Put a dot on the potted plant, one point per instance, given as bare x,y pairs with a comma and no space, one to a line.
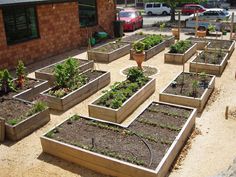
138,53
201,33
175,32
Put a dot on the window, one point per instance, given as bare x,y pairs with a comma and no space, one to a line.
149,5
20,24
157,5
87,13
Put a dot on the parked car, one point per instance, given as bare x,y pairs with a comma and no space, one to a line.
213,14
157,9
132,19
216,4
189,9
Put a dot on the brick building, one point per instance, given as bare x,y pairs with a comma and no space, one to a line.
32,30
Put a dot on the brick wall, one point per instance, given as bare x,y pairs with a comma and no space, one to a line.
59,30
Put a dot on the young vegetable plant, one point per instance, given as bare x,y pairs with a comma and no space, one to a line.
6,82
21,74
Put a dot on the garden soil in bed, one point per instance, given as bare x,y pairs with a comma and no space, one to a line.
187,87
210,57
51,68
133,38
110,47
220,44
158,126
13,109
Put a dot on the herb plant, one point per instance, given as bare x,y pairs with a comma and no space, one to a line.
6,82
180,47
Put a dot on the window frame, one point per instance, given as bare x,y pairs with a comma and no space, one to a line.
36,22
97,18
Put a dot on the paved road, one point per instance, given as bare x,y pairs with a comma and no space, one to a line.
149,20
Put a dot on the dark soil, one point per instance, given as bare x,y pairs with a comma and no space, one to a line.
28,84
50,69
110,47
133,38
187,89
147,70
210,57
157,126
220,44
13,109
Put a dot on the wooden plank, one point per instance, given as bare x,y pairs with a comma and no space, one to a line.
2,130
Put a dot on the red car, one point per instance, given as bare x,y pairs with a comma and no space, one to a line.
189,9
132,19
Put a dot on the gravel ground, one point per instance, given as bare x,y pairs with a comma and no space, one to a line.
211,152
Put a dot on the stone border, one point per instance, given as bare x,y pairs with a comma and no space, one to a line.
39,74
176,58
77,95
230,50
198,103
215,69
152,51
128,107
158,70
105,57
27,126
112,166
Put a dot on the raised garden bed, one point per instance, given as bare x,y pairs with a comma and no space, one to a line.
95,81
109,52
106,109
174,56
154,44
147,147
209,62
133,38
201,42
46,73
195,91
223,45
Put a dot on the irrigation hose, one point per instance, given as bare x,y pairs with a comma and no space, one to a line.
149,148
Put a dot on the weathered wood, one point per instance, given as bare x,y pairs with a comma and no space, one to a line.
39,74
118,115
214,69
32,92
175,58
152,51
114,167
170,41
105,57
27,126
198,103
2,130
77,95
230,50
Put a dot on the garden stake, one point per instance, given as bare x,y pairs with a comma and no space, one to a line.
93,143
226,112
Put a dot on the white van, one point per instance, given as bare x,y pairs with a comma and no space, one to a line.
156,8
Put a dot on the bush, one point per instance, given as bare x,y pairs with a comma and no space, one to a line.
180,47
134,73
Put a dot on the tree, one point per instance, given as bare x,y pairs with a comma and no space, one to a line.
173,4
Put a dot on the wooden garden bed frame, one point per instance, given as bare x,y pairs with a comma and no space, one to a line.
114,167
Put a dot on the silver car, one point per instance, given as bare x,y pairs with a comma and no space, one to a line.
214,14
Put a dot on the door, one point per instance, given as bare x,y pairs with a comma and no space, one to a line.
157,8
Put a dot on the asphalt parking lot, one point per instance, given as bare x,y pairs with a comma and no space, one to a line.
150,20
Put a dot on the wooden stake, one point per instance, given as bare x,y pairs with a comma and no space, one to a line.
232,26
226,112
179,25
2,130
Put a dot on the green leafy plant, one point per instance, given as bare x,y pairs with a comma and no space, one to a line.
37,107
152,40
138,47
203,76
195,85
134,73
162,26
180,47
6,82
21,73
67,78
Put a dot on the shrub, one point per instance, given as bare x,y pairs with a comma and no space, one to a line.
6,82
180,47
134,73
